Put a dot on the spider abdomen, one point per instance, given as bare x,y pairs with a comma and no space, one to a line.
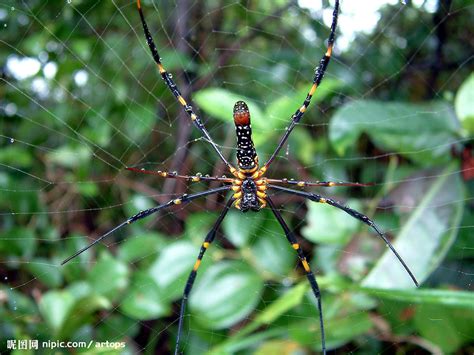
246,154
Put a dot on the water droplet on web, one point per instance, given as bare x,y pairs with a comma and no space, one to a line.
404,2
12,140
69,1
13,8
5,25
5,278
15,308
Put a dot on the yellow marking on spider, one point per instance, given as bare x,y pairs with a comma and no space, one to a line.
313,89
237,204
164,174
250,171
161,68
238,195
329,51
303,109
261,194
237,182
139,5
331,184
235,188
182,101
205,245
177,201
196,265
196,179
305,265
261,188
193,117
300,183
322,200
295,246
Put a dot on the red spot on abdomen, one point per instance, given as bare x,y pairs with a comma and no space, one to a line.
241,114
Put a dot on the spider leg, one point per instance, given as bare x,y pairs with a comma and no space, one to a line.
361,217
173,175
145,213
316,183
309,274
318,77
192,276
168,79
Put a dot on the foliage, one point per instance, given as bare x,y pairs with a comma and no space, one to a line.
391,110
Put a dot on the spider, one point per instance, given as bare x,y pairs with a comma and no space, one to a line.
249,183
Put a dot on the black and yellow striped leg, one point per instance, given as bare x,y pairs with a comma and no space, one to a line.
192,276
142,214
361,217
318,77
309,274
168,79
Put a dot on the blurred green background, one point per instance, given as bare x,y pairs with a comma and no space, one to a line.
81,100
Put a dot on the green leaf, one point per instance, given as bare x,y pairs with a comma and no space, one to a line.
227,280
55,307
220,104
172,267
70,157
440,298
109,276
464,104
279,112
449,328
18,241
239,227
140,247
328,225
46,272
16,156
270,250
428,233
140,121
144,299
420,132
339,330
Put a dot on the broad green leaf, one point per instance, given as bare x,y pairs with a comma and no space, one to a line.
464,104
172,267
109,276
239,228
428,233
82,313
144,299
220,104
55,307
227,280
447,327
46,272
144,246
280,111
439,298
328,225
18,241
271,251
15,156
140,121
70,157
339,330
420,132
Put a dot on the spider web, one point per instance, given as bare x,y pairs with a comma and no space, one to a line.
82,100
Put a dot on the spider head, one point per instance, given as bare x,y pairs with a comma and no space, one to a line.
246,154
249,196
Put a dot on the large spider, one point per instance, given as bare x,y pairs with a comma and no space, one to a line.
249,183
